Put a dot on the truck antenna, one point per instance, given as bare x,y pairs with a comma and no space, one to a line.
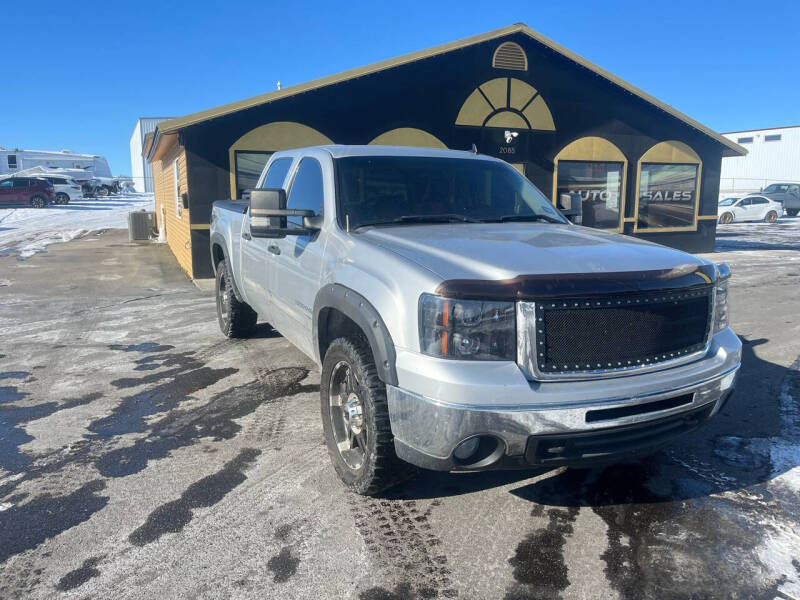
347,222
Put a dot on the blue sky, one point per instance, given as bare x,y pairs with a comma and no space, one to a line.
77,75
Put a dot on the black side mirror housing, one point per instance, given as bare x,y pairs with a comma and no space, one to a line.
268,214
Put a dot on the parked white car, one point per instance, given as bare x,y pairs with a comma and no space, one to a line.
66,188
749,208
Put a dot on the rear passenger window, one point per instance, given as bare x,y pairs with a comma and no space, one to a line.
277,173
307,189
20,183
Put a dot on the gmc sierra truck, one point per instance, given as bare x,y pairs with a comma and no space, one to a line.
461,322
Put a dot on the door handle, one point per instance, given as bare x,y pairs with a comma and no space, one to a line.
247,236
274,249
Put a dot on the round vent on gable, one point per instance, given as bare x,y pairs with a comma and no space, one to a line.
510,55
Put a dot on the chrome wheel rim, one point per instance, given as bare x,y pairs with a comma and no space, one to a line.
347,415
223,300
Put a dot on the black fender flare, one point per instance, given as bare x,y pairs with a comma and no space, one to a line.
358,309
218,239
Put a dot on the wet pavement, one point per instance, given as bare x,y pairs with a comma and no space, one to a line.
143,455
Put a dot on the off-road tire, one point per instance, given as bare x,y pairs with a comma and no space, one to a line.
771,217
792,212
236,318
38,201
62,198
726,218
381,468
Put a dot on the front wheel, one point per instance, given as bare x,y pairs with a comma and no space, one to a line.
792,212
771,217
236,318
725,218
355,419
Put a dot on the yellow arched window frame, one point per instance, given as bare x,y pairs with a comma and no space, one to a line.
594,149
408,136
273,137
671,152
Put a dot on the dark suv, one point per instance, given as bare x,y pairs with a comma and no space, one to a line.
37,193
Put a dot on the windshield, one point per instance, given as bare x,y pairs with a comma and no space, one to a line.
379,190
776,188
727,201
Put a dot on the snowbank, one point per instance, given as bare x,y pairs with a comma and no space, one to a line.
26,231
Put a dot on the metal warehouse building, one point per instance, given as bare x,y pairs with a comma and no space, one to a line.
589,140
773,156
141,169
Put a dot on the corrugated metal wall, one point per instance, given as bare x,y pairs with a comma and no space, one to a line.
766,162
141,170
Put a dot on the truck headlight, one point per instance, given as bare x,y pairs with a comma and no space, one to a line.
467,329
721,297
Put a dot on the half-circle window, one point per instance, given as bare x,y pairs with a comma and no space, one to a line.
510,56
506,102
408,136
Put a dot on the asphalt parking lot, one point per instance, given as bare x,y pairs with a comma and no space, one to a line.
143,455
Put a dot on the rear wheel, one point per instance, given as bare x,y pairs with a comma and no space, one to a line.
792,212
771,217
38,201
62,198
726,218
355,419
101,191
236,318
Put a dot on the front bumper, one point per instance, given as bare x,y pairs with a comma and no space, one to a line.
552,423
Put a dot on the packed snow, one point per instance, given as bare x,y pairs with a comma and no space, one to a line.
26,231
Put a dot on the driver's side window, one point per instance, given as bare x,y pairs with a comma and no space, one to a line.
745,202
6,184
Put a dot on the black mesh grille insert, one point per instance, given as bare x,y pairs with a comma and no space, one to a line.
620,332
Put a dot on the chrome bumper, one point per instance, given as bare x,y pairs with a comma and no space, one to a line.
428,430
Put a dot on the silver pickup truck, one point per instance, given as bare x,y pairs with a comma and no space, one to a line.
461,322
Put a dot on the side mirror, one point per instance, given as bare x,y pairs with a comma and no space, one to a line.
268,214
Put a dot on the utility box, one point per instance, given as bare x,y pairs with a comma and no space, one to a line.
140,225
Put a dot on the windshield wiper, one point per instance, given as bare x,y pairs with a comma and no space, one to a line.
441,218
546,218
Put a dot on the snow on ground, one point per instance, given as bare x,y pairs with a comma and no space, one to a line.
26,231
782,235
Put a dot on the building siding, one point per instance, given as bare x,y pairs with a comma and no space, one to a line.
765,163
178,228
141,169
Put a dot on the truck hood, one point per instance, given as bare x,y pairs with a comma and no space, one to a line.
505,250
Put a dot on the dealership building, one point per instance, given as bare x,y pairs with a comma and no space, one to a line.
590,141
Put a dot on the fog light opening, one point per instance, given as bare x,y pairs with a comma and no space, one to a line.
478,452
466,448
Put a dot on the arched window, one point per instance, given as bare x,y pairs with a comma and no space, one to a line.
511,56
506,102
589,180
668,188
250,153
408,136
